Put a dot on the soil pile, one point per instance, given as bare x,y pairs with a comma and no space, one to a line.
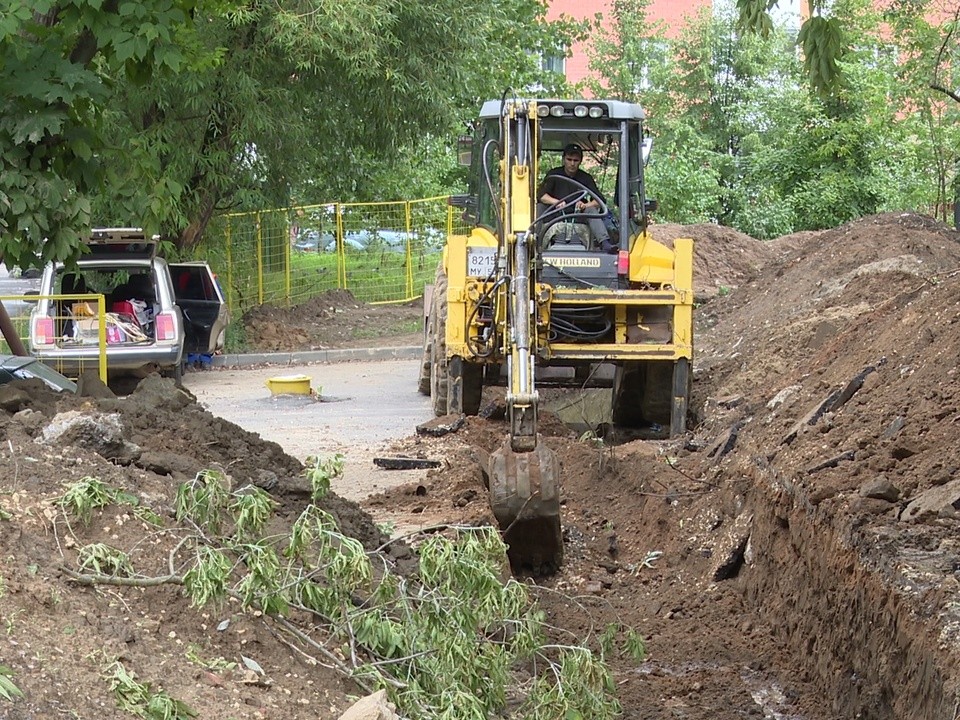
59,636
333,319
795,555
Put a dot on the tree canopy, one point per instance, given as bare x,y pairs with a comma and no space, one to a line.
162,113
742,137
821,38
59,67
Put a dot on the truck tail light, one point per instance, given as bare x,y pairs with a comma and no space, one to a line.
166,327
623,263
43,331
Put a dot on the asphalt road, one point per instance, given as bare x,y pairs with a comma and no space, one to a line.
361,407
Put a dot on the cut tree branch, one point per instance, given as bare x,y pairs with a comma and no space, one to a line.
94,579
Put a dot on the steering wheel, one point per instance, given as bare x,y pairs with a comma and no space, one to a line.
554,213
573,198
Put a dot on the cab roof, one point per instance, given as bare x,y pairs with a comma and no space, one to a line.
614,109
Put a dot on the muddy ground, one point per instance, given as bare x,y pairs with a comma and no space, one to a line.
795,556
333,319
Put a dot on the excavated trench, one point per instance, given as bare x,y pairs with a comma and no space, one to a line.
871,646
849,621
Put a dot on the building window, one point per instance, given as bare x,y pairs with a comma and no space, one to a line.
554,63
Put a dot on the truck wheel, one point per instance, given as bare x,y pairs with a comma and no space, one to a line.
175,372
439,375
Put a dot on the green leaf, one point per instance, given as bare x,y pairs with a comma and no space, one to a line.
123,44
8,690
82,150
823,46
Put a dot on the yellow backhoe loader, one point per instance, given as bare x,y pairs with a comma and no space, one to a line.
524,301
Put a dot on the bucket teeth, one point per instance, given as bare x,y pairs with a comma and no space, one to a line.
525,499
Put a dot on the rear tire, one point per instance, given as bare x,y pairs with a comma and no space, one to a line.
439,371
465,388
628,395
644,395
681,397
426,359
455,385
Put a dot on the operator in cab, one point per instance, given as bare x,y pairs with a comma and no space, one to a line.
560,183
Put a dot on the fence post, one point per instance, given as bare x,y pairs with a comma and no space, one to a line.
406,211
229,258
259,261
102,337
341,250
286,257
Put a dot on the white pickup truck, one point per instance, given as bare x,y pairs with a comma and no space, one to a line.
156,312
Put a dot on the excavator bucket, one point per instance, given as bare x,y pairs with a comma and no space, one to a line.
525,498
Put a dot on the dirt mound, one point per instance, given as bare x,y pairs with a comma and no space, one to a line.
723,258
59,635
807,529
333,319
799,306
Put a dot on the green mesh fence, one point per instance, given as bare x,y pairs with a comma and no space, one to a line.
380,252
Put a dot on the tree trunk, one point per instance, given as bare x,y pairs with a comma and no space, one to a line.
10,333
191,235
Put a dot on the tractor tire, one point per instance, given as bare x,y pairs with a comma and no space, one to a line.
439,371
681,397
643,396
426,358
628,395
465,386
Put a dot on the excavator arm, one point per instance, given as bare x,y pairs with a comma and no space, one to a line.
518,244
524,474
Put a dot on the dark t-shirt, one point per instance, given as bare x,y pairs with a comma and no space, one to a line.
557,183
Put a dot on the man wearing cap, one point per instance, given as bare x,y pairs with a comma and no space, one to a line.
562,182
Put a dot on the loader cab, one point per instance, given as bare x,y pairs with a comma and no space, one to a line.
611,135
615,148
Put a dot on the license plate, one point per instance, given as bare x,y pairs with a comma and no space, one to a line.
481,261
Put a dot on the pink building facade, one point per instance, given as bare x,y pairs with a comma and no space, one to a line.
674,14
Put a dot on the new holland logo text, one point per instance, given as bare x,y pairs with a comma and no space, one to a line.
562,262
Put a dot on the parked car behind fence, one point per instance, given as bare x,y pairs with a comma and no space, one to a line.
374,240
